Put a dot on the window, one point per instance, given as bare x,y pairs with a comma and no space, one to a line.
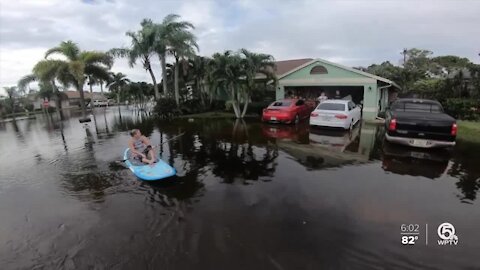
282,103
318,70
331,106
417,107
300,103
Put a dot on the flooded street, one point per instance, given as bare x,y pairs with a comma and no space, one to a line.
247,195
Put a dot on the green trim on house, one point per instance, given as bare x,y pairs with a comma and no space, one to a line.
375,88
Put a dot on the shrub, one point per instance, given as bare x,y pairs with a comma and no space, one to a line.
192,106
29,107
166,108
257,107
217,105
463,108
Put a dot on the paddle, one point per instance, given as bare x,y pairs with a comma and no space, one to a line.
156,146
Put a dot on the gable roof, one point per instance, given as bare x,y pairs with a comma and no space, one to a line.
284,67
378,78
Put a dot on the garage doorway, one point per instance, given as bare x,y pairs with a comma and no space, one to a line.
355,93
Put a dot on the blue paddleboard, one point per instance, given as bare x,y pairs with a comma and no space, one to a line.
156,171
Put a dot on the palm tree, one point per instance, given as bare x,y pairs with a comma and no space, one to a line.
253,64
227,70
117,84
12,93
45,91
164,31
182,45
141,48
75,69
48,82
198,69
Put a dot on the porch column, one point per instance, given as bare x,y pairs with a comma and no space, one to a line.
370,101
280,92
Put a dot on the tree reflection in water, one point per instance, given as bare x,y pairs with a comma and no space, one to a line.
228,150
465,167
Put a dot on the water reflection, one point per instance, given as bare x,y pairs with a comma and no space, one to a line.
465,167
413,161
282,195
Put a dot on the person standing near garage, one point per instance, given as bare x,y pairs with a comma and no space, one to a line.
337,94
322,97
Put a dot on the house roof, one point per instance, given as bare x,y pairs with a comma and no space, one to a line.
311,61
283,67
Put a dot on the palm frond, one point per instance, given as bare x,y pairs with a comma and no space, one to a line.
97,72
77,69
25,81
170,18
94,57
46,70
68,49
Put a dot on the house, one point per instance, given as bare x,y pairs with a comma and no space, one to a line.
74,97
307,78
70,99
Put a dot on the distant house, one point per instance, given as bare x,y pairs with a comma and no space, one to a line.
71,99
74,97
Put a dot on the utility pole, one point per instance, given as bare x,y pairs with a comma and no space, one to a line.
404,52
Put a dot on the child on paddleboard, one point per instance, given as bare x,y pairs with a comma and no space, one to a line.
140,147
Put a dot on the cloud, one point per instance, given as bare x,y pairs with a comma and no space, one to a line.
349,32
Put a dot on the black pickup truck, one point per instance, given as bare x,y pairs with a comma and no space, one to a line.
419,123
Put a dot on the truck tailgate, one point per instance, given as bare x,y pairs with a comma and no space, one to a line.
433,126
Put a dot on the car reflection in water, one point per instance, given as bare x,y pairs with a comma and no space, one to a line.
404,160
334,139
297,133
327,148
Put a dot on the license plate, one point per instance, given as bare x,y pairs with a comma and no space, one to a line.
421,143
326,118
273,118
419,155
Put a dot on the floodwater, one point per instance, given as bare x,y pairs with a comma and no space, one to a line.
246,196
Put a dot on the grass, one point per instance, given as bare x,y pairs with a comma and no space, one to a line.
212,115
469,131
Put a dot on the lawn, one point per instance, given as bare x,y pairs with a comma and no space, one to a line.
215,115
469,131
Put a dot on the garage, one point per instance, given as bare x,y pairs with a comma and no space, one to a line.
308,78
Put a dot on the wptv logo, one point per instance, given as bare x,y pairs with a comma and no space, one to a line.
446,232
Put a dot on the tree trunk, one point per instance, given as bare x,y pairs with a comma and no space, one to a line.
177,91
200,88
101,87
58,99
245,106
211,95
82,100
234,103
155,86
118,102
163,63
91,86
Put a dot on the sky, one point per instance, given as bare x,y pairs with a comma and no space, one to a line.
352,33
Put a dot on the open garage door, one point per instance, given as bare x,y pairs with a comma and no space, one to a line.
355,93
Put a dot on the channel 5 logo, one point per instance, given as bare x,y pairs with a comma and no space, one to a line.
446,232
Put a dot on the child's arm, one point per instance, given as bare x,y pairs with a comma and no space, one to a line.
146,141
133,150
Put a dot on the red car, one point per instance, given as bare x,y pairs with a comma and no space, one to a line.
287,111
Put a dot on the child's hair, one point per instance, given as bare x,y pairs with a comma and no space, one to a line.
133,132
